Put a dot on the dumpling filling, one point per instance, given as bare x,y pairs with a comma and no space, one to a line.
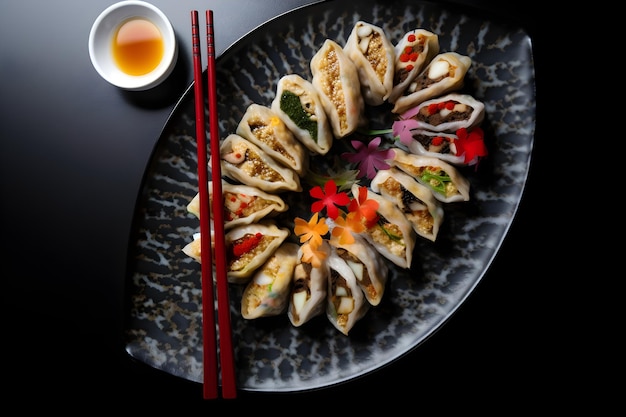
388,235
436,72
415,209
246,248
301,291
331,85
340,297
360,272
251,163
444,112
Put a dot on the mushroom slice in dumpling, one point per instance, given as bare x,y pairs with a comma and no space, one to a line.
448,113
369,268
243,204
415,200
414,51
336,79
299,106
346,304
308,291
261,126
445,182
268,291
245,162
392,234
374,55
249,246
445,73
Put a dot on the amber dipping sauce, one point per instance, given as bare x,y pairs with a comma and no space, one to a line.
137,46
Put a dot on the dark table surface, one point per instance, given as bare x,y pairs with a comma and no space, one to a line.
74,150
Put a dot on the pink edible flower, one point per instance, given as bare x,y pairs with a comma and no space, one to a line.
369,157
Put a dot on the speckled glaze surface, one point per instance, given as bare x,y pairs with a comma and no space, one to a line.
164,327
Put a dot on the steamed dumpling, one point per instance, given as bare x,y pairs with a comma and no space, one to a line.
369,268
267,293
445,182
245,162
307,298
299,106
448,113
336,79
374,55
249,246
445,73
414,200
346,303
243,204
392,235
261,126
436,144
412,53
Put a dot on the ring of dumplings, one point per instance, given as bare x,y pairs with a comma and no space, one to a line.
270,154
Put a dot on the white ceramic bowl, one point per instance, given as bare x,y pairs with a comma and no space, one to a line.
101,38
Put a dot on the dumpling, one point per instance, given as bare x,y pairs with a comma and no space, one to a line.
414,200
243,204
392,235
444,180
193,249
436,144
245,162
249,246
345,302
369,268
374,55
412,53
299,106
267,293
336,79
261,126
448,113
445,73
308,291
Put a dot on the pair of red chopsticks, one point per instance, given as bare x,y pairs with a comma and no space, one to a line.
209,334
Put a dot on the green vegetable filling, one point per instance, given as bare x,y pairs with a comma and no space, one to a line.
291,105
436,180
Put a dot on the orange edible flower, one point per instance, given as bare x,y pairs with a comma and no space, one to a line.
312,255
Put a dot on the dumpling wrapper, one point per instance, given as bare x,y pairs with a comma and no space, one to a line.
445,73
392,236
243,161
412,53
336,79
193,248
243,204
445,181
299,106
374,56
268,291
345,302
369,268
249,246
261,126
307,298
415,200
448,113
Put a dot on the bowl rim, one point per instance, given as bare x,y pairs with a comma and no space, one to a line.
125,81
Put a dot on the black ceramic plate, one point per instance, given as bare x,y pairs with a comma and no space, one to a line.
164,327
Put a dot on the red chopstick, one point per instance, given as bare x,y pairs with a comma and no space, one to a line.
209,351
227,361
210,371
